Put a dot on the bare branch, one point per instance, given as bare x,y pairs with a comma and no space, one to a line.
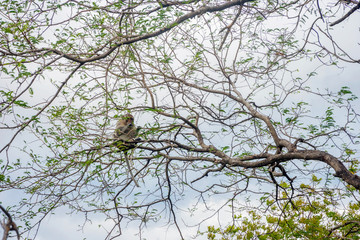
346,15
9,225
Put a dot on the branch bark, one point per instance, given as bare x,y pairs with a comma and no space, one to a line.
346,15
340,170
8,225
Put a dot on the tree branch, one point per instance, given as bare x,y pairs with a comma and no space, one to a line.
198,12
346,15
9,225
340,170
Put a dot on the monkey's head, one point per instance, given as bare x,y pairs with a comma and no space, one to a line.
128,118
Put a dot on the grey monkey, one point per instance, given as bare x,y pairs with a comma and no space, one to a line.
126,131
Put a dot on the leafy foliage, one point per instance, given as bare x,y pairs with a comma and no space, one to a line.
231,99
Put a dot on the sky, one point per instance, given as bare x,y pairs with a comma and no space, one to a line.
61,226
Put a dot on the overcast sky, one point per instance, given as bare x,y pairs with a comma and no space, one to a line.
61,226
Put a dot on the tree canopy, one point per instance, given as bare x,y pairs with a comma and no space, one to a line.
248,128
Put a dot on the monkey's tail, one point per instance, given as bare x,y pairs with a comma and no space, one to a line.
129,167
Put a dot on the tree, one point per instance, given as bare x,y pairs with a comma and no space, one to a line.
226,93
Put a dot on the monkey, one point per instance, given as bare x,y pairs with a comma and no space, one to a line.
125,128
126,131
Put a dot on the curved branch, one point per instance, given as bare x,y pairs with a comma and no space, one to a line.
265,159
340,170
343,225
9,225
198,12
346,15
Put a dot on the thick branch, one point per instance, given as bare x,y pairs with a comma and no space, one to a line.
340,170
9,225
265,159
346,15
